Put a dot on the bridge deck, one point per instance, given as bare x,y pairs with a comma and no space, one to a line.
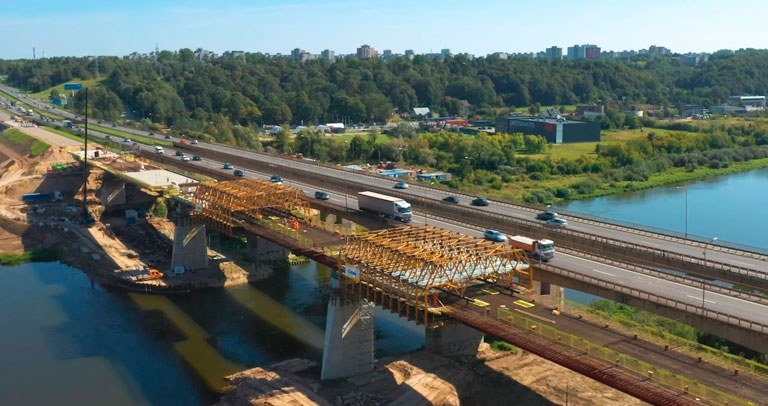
602,371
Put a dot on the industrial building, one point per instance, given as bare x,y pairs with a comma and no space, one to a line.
557,130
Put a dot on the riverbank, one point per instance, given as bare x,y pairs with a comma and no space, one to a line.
38,255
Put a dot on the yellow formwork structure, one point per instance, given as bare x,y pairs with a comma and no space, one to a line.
221,205
402,267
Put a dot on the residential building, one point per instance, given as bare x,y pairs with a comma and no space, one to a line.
409,53
576,52
367,52
329,55
693,59
553,53
591,51
387,55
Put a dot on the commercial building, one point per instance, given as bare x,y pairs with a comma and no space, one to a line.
555,130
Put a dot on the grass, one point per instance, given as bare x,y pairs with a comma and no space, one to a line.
499,345
41,255
16,137
44,94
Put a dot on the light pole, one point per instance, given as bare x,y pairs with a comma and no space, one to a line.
703,286
686,209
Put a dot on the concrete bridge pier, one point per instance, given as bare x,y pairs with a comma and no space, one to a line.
349,340
260,249
451,338
549,293
112,192
190,247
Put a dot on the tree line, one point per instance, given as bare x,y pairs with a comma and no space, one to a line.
176,90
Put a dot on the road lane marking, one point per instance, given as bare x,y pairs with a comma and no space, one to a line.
708,301
604,273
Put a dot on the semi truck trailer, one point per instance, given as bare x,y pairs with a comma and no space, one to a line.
387,206
539,249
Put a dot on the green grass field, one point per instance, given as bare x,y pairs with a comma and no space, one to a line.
16,137
44,94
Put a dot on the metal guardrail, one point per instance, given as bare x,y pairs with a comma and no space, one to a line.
663,234
662,376
660,300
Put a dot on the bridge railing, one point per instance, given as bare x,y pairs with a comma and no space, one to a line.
661,300
652,372
679,344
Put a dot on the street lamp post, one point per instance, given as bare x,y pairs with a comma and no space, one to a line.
686,209
703,285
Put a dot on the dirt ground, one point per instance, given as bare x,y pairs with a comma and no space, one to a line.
491,378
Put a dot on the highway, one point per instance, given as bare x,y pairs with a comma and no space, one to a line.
683,293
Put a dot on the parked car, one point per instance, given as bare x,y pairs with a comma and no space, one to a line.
495,235
179,153
276,179
197,158
185,158
451,199
322,195
401,185
557,222
228,166
480,201
546,215
239,173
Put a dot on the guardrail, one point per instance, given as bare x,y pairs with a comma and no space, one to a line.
668,235
662,376
657,299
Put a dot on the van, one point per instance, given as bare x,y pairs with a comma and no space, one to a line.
160,150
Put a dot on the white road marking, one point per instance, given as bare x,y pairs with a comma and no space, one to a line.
708,301
604,273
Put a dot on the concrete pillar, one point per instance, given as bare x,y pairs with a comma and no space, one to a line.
263,250
452,338
112,192
349,342
190,248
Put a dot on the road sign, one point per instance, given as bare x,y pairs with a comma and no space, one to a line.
73,86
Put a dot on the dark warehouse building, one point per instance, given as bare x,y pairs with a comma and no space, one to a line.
555,130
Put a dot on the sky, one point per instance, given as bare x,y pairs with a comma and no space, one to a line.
479,27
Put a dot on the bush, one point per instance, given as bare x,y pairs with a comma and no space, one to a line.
540,197
503,346
160,209
563,193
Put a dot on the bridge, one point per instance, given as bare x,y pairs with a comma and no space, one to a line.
421,273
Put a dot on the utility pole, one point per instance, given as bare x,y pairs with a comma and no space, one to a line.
85,160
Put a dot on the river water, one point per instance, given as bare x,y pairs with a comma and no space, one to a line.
67,341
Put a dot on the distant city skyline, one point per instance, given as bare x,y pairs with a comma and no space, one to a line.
91,27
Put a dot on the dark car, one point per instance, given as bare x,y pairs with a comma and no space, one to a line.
228,166
276,179
546,215
451,199
401,185
197,158
480,201
239,173
322,195
179,153
168,137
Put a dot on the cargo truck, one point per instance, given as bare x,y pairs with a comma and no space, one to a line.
42,197
387,206
539,249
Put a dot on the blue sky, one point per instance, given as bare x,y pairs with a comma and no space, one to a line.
91,27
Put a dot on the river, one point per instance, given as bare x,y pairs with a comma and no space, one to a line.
67,341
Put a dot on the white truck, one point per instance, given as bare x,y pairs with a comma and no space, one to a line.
159,149
539,249
387,206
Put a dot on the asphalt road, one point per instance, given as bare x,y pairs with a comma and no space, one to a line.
683,293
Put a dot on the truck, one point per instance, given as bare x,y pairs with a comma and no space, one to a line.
42,197
387,206
159,149
539,249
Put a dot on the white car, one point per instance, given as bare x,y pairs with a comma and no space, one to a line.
185,158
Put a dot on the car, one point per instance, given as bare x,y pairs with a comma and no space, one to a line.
126,140
322,195
401,185
276,179
557,222
228,166
197,158
109,137
151,133
185,158
451,199
239,173
195,141
480,201
179,153
495,235
546,215
167,137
